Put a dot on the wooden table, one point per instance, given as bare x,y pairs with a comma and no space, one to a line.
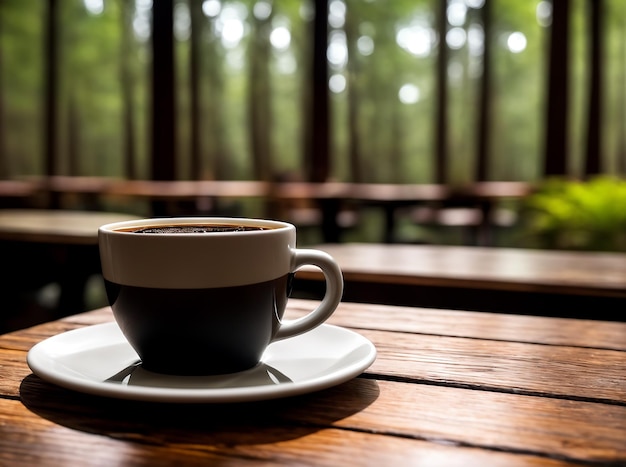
331,198
392,197
447,388
17,193
55,226
543,282
187,189
77,192
182,197
165,197
485,197
42,246
204,196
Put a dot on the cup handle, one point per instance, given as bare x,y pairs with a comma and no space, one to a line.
334,292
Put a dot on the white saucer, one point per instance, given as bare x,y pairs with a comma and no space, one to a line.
98,360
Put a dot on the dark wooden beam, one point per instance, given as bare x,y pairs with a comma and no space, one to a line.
556,148
593,154
319,160
441,137
163,100
195,70
51,67
484,118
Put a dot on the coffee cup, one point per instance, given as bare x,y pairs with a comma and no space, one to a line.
206,295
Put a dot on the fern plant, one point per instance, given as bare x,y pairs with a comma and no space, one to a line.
582,215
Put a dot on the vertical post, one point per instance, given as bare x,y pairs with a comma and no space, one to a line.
128,95
197,18
594,115
555,157
484,123
163,102
441,151
319,163
51,66
4,161
621,133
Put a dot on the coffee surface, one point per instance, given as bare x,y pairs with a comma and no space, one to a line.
193,228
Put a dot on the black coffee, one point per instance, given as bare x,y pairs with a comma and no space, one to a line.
190,228
200,331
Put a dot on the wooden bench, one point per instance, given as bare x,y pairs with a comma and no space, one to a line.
42,247
332,206
17,193
540,282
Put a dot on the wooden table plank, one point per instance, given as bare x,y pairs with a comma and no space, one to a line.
48,247
508,327
439,414
480,364
494,326
499,366
500,356
485,398
581,284
187,189
16,188
302,445
52,226
527,270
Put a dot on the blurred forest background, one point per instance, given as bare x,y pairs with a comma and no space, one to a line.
243,69
379,91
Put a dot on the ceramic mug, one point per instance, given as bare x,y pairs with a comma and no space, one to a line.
206,295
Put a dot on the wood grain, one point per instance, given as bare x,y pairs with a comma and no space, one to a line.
448,387
55,226
48,443
519,269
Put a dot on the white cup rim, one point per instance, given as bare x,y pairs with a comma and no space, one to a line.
115,228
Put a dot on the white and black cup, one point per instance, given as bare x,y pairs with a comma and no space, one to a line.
205,295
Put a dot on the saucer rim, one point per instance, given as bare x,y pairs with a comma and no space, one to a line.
38,355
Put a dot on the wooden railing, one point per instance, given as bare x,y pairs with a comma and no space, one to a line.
166,197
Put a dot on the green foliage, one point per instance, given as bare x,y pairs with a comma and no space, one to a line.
395,141
582,215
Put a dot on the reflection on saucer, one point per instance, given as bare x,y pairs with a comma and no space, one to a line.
260,375
99,360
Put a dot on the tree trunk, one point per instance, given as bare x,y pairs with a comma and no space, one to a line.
318,167
195,65
259,93
621,133
4,159
73,136
593,155
128,95
356,164
163,97
51,61
441,144
218,149
484,122
555,158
